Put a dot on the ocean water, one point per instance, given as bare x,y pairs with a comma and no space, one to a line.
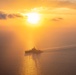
52,62
56,62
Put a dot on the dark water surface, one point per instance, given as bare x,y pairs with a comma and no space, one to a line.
57,62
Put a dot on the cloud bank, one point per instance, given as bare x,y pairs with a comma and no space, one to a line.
57,19
4,16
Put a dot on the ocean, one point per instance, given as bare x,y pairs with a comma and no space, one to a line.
52,62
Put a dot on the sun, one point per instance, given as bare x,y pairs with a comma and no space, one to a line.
33,17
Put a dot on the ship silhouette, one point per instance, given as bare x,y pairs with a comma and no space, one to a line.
34,51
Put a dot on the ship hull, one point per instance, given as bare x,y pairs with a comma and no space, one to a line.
34,52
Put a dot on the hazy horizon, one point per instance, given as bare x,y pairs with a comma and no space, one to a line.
48,25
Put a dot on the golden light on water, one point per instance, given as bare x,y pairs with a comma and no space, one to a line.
30,66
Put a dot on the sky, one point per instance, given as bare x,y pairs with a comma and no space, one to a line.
14,5
56,28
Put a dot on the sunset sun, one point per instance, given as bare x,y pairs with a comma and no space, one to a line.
33,17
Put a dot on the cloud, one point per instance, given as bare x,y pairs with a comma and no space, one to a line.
26,4
4,16
57,19
61,3
14,16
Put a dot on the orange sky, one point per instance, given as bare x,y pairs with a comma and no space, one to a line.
57,26
24,4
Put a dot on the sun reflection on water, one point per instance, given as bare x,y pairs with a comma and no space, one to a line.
31,66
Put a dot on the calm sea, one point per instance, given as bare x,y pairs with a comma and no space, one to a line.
56,62
52,62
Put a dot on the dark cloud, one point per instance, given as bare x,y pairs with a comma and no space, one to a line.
57,19
4,16
14,16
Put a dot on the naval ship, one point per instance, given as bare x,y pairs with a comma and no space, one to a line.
33,51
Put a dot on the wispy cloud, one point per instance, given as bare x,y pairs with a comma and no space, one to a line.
22,4
4,16
57,19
